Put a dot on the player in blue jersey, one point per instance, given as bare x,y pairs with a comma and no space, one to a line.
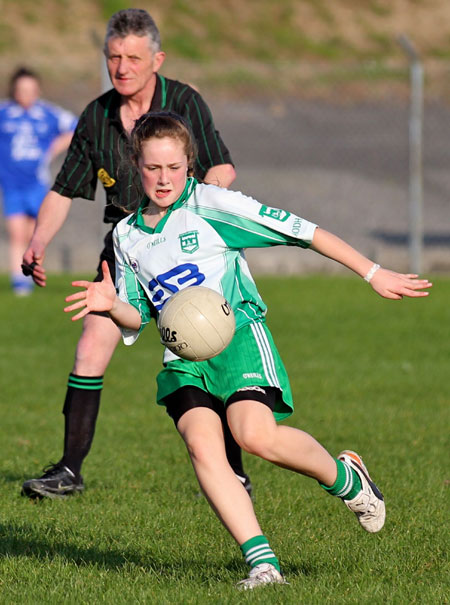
32,133
185,233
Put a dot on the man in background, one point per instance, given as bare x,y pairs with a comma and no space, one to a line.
134,57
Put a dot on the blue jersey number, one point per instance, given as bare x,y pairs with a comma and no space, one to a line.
172,280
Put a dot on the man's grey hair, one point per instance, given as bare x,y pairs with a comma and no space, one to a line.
133,21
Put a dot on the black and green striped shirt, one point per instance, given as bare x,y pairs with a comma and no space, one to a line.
98,147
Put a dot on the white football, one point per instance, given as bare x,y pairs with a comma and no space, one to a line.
196,323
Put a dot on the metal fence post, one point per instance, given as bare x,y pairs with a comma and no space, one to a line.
415,156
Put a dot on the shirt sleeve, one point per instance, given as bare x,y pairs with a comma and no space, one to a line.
212,151
66,120
243,222
77,177
130,291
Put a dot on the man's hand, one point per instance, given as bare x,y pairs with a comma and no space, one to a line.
51,217
32,264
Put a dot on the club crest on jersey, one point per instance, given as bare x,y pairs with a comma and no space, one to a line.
276,213
134,265
105,179
189,241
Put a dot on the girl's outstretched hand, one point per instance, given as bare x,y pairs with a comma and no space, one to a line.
395,286
96,296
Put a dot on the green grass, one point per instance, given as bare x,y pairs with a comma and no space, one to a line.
368,374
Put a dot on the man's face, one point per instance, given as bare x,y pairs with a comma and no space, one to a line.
132,64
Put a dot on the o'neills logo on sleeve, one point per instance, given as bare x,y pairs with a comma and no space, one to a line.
276,213
105,179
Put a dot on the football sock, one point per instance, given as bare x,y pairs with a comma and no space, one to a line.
80,410
233,451
21,283
257,550
347,484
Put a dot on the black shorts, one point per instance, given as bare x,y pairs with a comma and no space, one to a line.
189,397
106,254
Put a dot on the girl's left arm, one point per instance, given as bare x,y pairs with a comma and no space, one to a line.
388,284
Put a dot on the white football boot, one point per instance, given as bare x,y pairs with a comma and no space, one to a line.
368,505
264,573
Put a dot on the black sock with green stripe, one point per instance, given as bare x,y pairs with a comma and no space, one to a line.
80,410
347,484
257,550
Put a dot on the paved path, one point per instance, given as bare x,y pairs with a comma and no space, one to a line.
344,167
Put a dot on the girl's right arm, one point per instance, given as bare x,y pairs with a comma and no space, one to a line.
102,296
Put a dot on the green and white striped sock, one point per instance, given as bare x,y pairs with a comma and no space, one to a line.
257,550
347,484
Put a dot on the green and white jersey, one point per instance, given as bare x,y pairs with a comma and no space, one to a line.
200,241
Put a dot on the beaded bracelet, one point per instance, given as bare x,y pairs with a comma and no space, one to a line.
373,269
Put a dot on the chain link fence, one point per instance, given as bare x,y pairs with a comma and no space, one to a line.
328,143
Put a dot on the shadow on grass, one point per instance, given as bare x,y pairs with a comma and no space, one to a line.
18,478
21,541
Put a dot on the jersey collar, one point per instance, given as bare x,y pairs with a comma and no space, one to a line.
138,220
159,95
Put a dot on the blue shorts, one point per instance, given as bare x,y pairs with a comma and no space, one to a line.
26,201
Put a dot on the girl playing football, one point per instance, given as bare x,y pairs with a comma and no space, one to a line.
185,233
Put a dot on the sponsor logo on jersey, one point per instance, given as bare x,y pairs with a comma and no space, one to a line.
276,213
297,226
134,265
105,179
252,375
189,241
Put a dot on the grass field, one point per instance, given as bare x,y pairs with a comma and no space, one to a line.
366,373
